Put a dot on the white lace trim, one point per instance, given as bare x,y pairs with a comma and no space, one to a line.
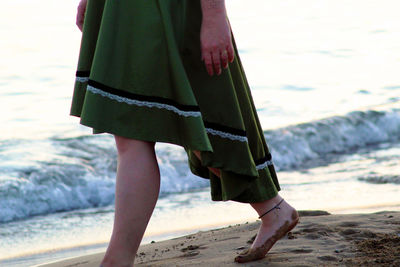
82,79
143,103
265,164
227,135
162,106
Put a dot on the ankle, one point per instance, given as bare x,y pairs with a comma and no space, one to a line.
262,207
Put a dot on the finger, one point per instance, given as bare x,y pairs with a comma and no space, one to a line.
80,17
208,63
216,62
231,52
79,23
224,59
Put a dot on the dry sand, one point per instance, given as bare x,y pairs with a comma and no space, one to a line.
319,239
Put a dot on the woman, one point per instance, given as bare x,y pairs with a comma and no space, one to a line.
168,71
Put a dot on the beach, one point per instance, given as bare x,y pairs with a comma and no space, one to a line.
320,239
325,84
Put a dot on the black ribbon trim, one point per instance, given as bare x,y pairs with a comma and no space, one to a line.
225,129
268,157
132,96
165,101
82,74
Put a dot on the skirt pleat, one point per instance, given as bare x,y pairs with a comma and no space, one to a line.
140,76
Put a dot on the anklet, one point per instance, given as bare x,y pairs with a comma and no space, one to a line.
276,207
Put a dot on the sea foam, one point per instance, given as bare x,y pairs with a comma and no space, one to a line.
78,173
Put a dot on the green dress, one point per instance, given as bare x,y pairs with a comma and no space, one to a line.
140,76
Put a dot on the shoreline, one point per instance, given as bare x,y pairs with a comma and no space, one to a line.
48,256
319,239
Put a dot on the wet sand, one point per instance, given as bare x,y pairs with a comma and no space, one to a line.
320,239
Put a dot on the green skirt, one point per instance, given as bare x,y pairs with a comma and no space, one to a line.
140,76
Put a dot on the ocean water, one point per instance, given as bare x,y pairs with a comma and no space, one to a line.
324,77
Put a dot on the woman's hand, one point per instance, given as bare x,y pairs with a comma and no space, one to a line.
215,37
80,17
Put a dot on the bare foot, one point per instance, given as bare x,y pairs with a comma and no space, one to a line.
274,226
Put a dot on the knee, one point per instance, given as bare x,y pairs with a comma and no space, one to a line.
127,145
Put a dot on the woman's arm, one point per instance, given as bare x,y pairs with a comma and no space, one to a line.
80,17
215,36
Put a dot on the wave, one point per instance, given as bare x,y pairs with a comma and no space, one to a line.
79,174
47,176
294,146
381,179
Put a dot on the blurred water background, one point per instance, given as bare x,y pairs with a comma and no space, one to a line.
325,80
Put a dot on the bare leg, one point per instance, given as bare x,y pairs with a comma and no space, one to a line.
213,170
274,225
136,193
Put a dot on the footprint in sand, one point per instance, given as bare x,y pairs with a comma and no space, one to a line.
314,231
312,236
191,254
348,232
311,230
301,251
327,258
367,234
349,224
192,250
357,233
190,247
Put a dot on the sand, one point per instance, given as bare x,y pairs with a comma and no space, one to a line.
320,239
